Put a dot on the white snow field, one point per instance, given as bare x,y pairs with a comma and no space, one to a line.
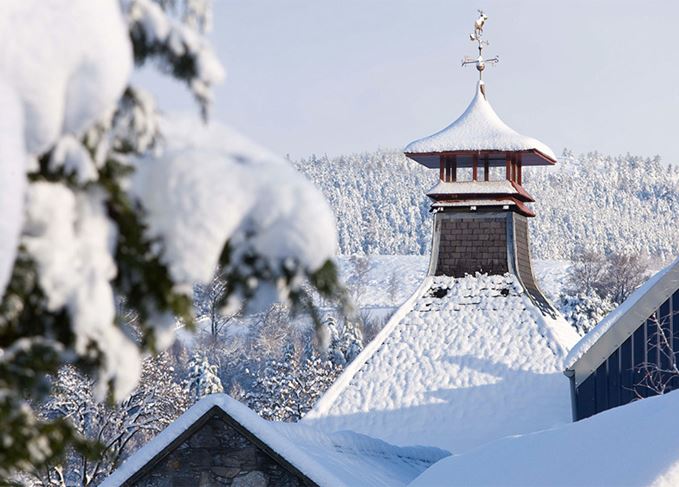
464,361
339,459
406,273
632,445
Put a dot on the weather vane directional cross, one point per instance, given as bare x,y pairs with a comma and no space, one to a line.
477,37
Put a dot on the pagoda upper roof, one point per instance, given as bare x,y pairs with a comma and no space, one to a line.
479,129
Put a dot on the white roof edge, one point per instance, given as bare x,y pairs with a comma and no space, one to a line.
326,401
246,417
478,128
620,323
473,187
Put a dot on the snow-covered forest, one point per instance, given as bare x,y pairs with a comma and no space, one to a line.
601,203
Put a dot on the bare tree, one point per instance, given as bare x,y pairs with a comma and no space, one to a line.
208,304
393,286
274,331
371,324
597,283
360,269
660,375
624,273
120,428
586,272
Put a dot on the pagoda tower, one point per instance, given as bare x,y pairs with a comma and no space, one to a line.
479,202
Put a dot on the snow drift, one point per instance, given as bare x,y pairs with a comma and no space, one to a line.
633,445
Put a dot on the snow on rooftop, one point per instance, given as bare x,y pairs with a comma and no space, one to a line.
506,202
463,362
632,445
473,187
657,288
337,459
478,128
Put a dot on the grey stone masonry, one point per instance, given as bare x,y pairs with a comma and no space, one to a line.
468,244
217,454
491,242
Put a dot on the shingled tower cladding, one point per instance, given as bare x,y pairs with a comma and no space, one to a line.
479,203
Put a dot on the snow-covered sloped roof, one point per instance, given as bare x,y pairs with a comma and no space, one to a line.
619,324
476,363
338,459
633,445
478,129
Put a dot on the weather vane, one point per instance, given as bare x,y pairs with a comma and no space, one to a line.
477,37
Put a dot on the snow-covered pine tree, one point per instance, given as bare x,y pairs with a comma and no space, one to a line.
272,392
344,343
203,379
316,375
393,286
284,389
333,339
584,311
351,342
89,218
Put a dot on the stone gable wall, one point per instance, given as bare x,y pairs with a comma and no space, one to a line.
217,455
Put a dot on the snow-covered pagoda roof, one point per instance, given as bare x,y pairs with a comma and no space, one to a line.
479,129
338,459
619,324
462,362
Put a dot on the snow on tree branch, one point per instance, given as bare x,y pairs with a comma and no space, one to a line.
55,84
101,207
176,46
242,194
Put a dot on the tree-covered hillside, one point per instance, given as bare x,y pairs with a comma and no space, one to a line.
605,204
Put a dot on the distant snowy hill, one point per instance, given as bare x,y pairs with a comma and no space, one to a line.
621,204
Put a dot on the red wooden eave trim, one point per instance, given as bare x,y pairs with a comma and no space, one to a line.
538,153
520,205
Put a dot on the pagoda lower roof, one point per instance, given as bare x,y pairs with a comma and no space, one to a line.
503,203
478,190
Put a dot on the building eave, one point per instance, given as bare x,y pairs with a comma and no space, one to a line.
529,157
596,346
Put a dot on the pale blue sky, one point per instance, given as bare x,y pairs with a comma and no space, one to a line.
316,76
